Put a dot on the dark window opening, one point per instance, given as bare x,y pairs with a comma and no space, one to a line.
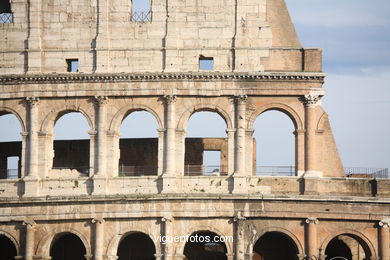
7,248
137,246
206,63
68,246
72,65
141,11
275,246
5,12
199,247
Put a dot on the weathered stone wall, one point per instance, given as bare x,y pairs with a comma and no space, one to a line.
239,35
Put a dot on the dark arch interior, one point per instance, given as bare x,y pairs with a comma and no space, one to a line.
345,246
68,246
275,246
7,248
136,246
204,250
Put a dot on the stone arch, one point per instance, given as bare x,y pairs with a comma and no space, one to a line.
51,118
322,121
197,229
12,239
11,111
117,238
44,245
283,231
289,111
120,115
186,115
360,237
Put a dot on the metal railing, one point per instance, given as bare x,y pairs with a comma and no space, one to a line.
275,170
9,173
142,170
6,18
80,169
205,170
362,172
141,17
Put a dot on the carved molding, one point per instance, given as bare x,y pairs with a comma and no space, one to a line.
126,77
97,220
241,99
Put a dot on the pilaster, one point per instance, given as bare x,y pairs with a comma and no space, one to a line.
311,247
384,239
30,238
311,101
99,238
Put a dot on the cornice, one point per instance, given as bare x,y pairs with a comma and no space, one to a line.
134,77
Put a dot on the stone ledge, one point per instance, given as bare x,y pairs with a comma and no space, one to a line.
129,77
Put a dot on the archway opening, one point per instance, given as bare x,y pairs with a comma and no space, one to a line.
205,246
136,246
10,146
206,145
67,246
275,144
7,248
348,247
71,143
275,246
138,145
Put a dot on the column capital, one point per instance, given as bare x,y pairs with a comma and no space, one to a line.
312,221
167,219
241,99
101,100
169,99
239,217
32,101
29,223
98,220
311,100
384,223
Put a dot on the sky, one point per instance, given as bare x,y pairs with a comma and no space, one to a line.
355,38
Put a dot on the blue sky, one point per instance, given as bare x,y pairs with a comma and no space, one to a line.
355,37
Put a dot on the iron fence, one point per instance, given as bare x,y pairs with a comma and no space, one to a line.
275,170
6,18
141,17
206,170
362,172
142,170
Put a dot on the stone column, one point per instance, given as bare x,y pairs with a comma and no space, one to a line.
100,178
384,239
168,226
170,135
240,185
30,239
311,237
230,134
170,145
24,165
239,220
33,137
311,164
299,152
101,102
99,238
31,187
